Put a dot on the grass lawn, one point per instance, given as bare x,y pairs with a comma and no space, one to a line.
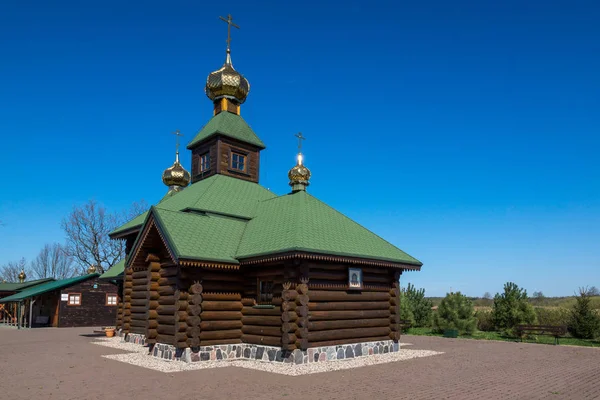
499,336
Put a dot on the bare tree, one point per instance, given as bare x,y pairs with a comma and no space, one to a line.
593,291
11,270
87,230
487,296
53,261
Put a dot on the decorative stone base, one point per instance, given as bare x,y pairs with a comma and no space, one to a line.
274,354
135,338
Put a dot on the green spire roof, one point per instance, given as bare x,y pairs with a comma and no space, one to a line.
230,125
46,287
115,271
18,286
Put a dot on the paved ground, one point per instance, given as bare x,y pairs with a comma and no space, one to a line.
62,364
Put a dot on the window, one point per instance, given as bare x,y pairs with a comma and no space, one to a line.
74,299
238,161
204,162
265,291
111,299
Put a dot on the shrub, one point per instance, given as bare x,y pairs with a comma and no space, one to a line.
420,306
455,312
585,323
405,309
484,320
553,316
511,308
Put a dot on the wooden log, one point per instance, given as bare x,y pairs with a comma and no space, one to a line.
138,322
289,316
168,272
222,277
302,288
194,309
288,306
138,309
262,330
288,327
326,295
140,288
154,267
277,301
289,295
166,290
222,305
193,334
168,281
264,340
222,296
354,314
333,275
261,320
302,299
166,300
140,281
287,337
182,305
348,305
214,286
171,329
219,342
220,325
302,311
172,339
261,311
301,343
395,335
166,319
139,275
167,310
248,302
394,310
358,333
348,341
139,302
395,301
128,284
152,324
350,323
220,315
214,335
151,334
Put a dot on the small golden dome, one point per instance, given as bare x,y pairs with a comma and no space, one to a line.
299,175
22,276
176,175
227,82
91,269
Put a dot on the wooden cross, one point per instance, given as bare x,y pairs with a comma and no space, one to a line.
230,23
300,139
177,133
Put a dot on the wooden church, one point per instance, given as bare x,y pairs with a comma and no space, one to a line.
225,262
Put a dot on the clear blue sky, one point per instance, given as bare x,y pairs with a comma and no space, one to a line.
465,133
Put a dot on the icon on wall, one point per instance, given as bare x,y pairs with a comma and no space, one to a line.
355,278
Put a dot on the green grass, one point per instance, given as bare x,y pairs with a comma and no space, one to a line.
479,335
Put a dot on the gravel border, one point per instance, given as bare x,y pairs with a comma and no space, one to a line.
138,355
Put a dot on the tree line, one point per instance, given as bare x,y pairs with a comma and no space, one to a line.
86,244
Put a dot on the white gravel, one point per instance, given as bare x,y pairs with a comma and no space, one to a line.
138,355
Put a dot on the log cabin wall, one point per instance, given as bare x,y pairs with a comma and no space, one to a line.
341,316
170,315
120,305
138,299
127,289
213,305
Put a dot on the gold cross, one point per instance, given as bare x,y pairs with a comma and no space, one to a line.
177,133
230,23
300,139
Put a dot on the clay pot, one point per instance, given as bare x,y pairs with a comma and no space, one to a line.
109,332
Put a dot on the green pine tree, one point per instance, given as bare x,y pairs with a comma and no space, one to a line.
455,312
405,308
420,306
511,308
585,323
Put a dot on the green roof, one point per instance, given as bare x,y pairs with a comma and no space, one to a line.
115,271
18,286
230,125
205,237
46,287
224,219
300,222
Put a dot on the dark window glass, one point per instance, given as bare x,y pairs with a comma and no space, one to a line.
204,162
265,291
238,162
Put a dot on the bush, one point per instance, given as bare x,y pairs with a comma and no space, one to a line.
585,323
420,306
553,316
484,320
511,308
455,312
405,309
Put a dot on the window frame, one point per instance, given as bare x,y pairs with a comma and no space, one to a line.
69,299
239,154
259,292
207,164
106,303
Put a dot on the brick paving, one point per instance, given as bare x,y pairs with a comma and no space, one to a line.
62,364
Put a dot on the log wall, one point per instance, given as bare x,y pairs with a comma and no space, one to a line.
171,310
152,277
338,315
127,290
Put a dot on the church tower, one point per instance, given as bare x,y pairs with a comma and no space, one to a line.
226,144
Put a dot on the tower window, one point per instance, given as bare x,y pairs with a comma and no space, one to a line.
238,161
204,162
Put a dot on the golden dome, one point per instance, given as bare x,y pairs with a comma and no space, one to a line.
22,276
299,175
227,82
91,269
176,175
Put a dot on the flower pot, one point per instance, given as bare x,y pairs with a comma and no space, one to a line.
110,332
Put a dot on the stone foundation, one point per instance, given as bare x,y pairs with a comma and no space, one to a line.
135,338
245,351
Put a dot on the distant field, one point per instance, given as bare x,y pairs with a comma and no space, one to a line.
546,302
